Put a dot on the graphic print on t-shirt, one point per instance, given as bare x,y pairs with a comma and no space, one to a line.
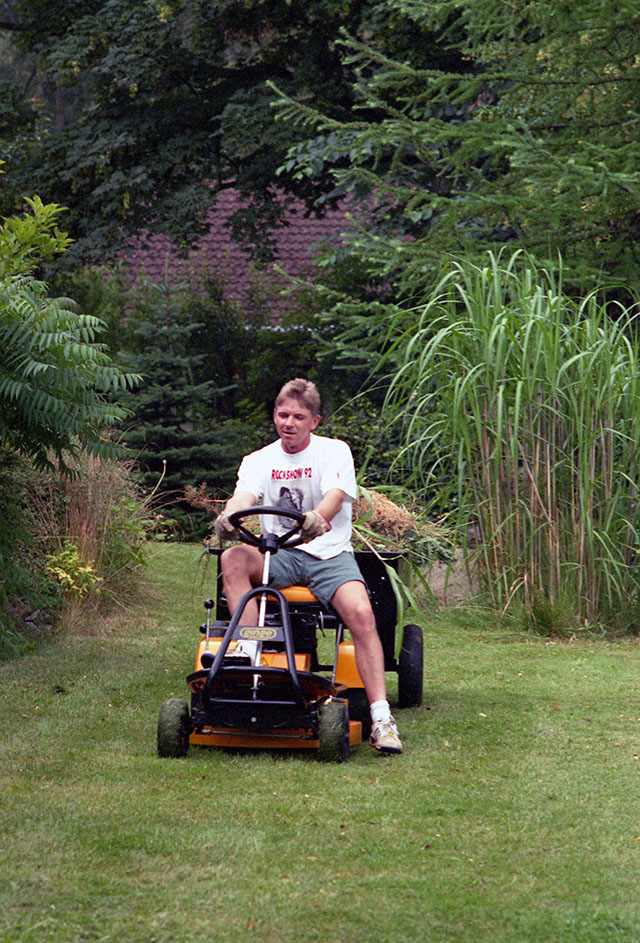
294,497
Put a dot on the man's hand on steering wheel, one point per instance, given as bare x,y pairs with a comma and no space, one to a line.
310,525
315,525
225,529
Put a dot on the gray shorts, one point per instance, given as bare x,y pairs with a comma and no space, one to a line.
323,577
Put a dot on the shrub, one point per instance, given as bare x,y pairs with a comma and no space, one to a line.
67,543
75,577
96,519
25,586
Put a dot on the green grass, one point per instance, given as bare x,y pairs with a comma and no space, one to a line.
513,815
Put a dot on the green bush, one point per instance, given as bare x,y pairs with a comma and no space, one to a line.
67,542
373,442
96,519
25,585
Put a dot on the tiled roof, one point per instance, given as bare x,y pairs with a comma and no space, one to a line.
218,252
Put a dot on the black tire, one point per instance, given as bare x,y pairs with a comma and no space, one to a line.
334,732
173,728
410,667
359,709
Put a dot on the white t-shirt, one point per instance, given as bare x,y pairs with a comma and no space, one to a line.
299,481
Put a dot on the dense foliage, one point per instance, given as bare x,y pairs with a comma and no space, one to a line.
55,381
54,377
454,127
461,124
183,428
530,137
144,109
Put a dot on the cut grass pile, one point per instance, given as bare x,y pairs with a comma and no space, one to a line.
513,816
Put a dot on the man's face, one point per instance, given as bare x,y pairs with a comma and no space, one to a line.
294,424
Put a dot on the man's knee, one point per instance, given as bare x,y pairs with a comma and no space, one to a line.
362,621
236,561
353,604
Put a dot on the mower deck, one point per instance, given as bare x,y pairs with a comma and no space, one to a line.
268,739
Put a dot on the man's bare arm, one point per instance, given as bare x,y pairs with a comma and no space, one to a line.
331,503
239,501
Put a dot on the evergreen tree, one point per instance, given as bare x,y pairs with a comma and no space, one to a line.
174,432
530,137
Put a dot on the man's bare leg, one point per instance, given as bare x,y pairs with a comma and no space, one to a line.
351,602
242,569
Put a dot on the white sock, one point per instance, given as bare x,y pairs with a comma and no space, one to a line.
380,711
248,647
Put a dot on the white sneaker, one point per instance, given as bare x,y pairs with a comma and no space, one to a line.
385,738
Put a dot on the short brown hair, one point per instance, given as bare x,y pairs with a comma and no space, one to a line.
304,391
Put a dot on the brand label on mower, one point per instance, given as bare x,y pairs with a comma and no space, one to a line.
257,633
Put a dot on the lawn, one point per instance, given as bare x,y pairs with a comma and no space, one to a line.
512,816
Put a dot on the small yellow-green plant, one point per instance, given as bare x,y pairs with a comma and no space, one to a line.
76,577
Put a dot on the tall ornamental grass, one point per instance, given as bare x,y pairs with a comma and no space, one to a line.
530,403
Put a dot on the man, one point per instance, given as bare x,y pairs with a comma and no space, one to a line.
316,476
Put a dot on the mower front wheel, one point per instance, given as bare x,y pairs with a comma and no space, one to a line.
173,728
335,744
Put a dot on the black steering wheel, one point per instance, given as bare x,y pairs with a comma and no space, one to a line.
291,538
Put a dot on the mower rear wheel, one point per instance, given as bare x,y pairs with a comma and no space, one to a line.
334,738
410,667
173,728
